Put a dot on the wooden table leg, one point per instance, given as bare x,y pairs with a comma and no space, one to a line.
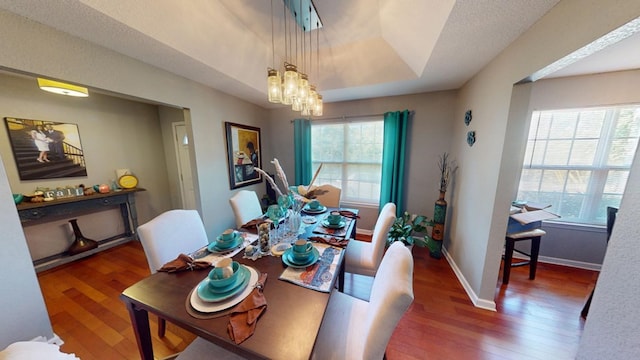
341,275
140,323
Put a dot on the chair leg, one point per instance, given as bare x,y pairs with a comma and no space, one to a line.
508,257
533,262
585,309
162,327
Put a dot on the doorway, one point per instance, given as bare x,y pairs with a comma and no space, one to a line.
181,143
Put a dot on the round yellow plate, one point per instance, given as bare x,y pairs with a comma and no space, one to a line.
128,181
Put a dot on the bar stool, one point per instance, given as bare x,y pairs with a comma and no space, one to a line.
533,235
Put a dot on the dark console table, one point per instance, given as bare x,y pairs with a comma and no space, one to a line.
37,213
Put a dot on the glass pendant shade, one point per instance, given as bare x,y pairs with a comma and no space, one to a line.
274,85
303,88
290,85
297,104
311,98
306,110
317,109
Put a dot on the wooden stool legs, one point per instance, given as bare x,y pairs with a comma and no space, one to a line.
510,241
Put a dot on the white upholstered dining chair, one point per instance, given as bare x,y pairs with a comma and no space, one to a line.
168,235
356,329
328,195
363,257
246,207
351,328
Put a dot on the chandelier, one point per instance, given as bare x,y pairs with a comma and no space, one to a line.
294,87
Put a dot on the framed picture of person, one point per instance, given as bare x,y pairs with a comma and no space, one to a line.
45,149
243,154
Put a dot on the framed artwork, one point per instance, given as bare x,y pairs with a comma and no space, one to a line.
243,154
45,149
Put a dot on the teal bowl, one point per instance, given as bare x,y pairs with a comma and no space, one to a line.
17,198
218,283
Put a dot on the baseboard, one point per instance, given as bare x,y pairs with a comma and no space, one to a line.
364,231
564,262
55,339
477,302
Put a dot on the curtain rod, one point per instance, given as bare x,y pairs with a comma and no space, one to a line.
345,117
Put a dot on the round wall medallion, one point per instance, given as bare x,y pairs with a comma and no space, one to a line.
128,181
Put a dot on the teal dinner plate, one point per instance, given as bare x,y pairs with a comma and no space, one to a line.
319,210
243,272
340,225
205,293
213,246
288,259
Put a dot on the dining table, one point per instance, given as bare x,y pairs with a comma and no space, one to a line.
286,330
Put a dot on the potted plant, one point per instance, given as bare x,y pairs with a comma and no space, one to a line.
404,228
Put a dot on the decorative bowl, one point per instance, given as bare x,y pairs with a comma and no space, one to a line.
217,283
17,198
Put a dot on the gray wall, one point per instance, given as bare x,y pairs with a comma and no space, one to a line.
23,314
489,170
429,136
611,330
571,244
32,48
115,133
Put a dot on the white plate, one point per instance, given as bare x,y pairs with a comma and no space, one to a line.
208,307
309,219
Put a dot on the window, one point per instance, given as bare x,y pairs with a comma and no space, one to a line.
351,152
578,160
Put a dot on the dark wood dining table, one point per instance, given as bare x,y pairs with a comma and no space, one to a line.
286,330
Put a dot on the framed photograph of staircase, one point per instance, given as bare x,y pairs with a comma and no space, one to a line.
45,149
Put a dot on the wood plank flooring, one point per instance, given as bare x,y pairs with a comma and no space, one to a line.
537,319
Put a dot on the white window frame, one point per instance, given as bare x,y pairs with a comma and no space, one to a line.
599,168
342,183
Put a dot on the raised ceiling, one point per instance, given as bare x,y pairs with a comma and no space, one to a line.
366,48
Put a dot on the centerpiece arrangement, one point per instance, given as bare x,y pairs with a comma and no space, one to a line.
289,202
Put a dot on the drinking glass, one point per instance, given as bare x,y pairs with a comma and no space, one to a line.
275,213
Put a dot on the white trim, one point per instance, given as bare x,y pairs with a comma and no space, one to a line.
563,262
477,302
364,231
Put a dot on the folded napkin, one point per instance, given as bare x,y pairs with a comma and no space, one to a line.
349,214
243,319
184,262
330,241
252,224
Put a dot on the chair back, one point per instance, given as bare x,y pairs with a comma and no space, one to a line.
328,195
386,218
611,219
391,295
170,234
246,207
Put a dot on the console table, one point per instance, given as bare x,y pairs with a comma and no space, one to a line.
37,213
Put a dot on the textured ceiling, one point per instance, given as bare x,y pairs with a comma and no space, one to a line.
366,48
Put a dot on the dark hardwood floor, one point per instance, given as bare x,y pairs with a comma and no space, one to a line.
537,319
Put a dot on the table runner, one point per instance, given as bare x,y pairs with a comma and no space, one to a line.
319,276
